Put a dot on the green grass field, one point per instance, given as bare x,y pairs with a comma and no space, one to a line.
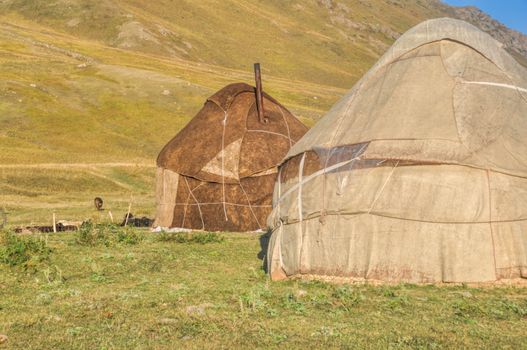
90,90
158,291
101,82
31,194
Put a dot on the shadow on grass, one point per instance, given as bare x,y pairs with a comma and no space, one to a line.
264,244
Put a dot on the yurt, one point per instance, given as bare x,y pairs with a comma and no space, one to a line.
219,171
418,174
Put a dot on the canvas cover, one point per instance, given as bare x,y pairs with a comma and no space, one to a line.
418,174
219,171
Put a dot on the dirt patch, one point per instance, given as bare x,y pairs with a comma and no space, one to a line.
131,34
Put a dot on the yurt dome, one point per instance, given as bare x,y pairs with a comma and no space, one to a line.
218,172
418,174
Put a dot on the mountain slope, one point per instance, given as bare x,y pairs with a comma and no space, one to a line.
327,42
90,90
113,80
513,40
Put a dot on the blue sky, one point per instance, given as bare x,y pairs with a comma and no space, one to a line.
512,13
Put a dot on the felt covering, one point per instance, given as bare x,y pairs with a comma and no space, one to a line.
218,172
418,174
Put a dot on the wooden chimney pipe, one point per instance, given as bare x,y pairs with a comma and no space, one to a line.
259,95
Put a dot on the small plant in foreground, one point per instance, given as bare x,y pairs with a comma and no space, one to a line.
190,237
128,235
466,310
26,251
347,297
293,302
255,299
92,234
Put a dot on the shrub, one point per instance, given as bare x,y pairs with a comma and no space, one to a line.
128,235
190,237
255,299
347,297
293,302
16,250
91,234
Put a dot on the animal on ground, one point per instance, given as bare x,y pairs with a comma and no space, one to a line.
98,202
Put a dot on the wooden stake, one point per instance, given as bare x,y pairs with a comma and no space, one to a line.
54,224
128,214
111,216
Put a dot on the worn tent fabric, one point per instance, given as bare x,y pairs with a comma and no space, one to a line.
418,174
218,172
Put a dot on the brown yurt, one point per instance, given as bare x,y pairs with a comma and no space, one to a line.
218,172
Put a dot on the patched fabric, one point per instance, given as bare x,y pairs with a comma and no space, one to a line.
226,162
418,174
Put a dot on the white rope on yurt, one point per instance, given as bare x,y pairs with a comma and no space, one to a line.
199,207
382,188
287,127
186,204
272,133
312,177
332,142
490,225
228,203
224,123
250,206
299,202
280,228
488,83
316,174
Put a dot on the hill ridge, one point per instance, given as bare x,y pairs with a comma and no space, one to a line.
71,91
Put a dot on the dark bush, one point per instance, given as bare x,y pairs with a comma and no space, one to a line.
16,250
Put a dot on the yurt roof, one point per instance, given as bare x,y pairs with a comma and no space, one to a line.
445,92
225,141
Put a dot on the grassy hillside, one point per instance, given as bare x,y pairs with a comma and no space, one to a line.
329,42
69,100
30,195
111,81
105,80
90,90
166,292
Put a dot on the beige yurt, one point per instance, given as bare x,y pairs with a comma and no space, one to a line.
219,171
418,174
